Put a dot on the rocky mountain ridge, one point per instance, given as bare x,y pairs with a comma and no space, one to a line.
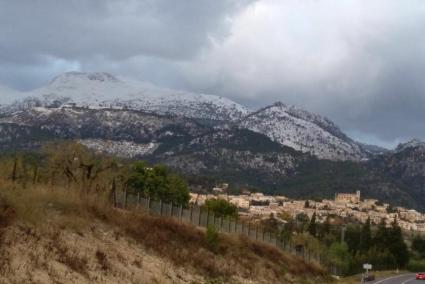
277,149
303,131
287,125
103,90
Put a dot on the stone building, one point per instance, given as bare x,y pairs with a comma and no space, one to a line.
348,197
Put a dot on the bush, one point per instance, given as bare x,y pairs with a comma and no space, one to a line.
416,265
211,238
418,245
339,256
221,208
158,183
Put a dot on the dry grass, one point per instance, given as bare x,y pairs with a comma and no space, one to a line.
186,245
40,204
7,215
180,244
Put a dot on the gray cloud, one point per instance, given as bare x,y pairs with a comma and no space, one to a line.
115,29
360,65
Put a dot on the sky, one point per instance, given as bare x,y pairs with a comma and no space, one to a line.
360,63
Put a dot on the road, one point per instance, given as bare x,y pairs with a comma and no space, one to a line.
400,279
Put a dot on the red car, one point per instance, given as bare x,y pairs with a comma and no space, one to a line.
420,276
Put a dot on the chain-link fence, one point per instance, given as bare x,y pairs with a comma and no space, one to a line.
199,217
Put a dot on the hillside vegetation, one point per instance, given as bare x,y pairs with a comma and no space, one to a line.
58,225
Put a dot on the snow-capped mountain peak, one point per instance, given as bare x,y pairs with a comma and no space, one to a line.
103,90
414,143
288,125
303,131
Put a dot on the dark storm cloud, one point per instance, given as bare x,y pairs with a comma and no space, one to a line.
115,29
361,65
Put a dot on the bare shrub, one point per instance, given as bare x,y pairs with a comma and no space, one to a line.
102,260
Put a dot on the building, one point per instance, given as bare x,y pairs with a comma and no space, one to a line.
221,188
348,197
240,201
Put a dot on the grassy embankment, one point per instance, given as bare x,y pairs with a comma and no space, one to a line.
54,234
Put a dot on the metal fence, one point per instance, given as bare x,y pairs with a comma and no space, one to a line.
196,216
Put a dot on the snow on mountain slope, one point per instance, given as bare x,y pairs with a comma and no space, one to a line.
126,149
303,131
286,125
107,124
102,90
414,143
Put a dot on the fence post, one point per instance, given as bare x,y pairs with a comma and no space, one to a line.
208,217
170,210
191,213
138,199
149,204
221,224
249,228
199,216
242,228
263,233
181,212
114,193
230,224
213,219
125,197
160,207
256,233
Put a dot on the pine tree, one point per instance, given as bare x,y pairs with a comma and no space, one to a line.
365,237
397,246
381,237
312,226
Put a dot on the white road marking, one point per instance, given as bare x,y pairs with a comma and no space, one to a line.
408,280
381,281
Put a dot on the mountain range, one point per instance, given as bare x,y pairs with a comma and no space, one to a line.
278,148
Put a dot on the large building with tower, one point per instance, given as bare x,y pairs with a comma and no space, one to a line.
348,197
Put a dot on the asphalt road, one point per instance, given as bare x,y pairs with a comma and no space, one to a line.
400,279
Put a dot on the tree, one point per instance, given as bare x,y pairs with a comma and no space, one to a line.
71,163
324,229
339,256
381,237
365,237
418,245
221,208
312,225
157,183
352,237
397,246
391,239
302,220
288,230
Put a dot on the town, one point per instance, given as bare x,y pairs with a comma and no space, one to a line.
349,207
